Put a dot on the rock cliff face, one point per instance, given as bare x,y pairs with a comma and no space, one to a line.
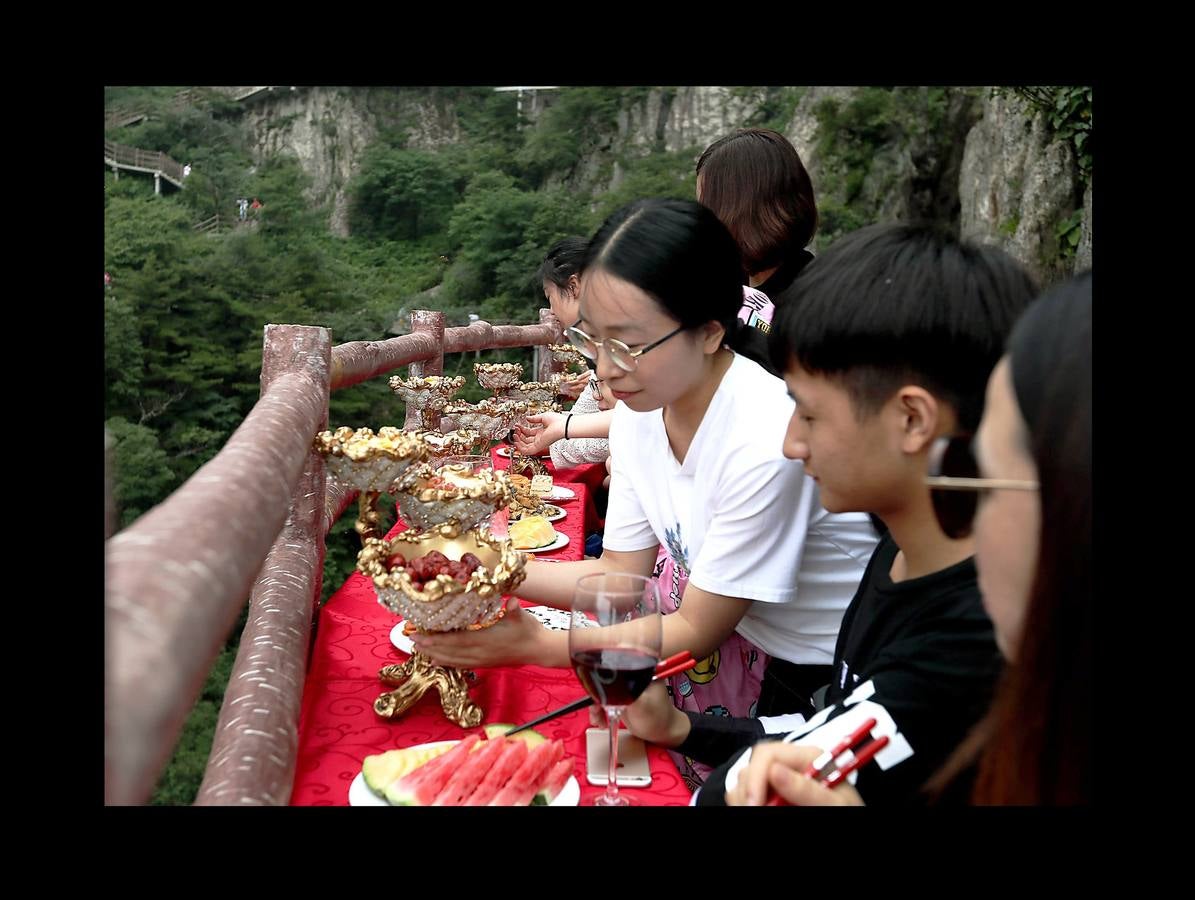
329,128
1017,185
987,166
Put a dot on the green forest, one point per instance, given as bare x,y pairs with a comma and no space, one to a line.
469,221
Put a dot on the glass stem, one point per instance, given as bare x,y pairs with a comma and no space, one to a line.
614,716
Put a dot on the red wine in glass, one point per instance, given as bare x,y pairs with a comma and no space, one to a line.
614,677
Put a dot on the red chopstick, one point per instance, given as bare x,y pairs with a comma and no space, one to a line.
676,669
861,758
823,765
675,658
825,769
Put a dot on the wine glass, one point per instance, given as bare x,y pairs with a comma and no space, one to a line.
614,640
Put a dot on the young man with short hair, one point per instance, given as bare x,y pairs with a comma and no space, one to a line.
887,348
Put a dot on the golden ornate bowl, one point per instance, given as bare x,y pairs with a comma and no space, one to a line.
497,376
453,443
535,391
370,462
444,604
492,418
426,508
430,392
568,355
535,407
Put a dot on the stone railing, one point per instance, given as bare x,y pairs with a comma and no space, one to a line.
252,521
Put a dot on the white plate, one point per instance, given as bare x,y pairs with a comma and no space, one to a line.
560,493
360,795
560,514
561,541
401,641
551,618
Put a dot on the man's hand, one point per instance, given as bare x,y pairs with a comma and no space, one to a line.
778,768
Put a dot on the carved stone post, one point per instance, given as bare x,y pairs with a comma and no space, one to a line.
547,363
428,321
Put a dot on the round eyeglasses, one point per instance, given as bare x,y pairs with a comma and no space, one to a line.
955,485
625,358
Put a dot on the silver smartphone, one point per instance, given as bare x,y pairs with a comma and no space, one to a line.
633,768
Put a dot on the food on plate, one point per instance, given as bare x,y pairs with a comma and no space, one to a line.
382,769
526,503
531,533
541,484
500,771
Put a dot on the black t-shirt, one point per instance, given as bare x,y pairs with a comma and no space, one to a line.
752,342
927,646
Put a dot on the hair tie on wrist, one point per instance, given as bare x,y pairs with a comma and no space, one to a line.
567,419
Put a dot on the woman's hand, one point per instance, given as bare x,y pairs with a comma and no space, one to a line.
571,386
514,641
653,717
543,430
778,768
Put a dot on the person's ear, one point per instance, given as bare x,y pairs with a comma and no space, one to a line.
919,415
712,335
574,288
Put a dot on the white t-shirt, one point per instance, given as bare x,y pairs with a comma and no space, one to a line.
741,519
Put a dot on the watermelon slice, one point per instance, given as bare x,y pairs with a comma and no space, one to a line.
524,783
469,774
513,754
554,782
529,735
419,788
382,769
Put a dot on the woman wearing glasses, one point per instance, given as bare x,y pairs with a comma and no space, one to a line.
697,468
1025,482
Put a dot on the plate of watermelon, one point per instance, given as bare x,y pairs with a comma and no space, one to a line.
526,770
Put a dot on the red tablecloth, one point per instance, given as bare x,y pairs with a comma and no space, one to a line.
338,727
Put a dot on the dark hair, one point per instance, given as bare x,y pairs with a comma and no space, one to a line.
1037,739
679,254
755,182
896,304
562,262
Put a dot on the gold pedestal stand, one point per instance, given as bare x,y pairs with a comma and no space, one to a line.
418,675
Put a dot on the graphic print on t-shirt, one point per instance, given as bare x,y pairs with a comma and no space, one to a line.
680,564
757,309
